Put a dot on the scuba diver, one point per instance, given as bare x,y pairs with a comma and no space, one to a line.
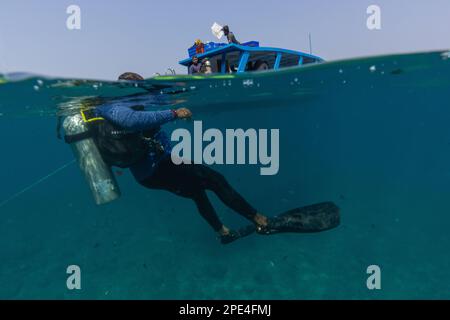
129,137
230,35
120,133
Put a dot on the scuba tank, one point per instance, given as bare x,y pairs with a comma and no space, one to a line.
98,174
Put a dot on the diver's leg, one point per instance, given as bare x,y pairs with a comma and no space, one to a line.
179,180
216,182
207,211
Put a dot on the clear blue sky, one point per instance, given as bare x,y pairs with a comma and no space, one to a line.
147,36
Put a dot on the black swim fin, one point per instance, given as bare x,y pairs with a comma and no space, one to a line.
237,234
310,219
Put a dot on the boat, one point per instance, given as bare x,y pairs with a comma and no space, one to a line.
247,57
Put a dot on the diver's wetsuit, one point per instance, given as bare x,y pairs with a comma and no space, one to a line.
192,181
157,171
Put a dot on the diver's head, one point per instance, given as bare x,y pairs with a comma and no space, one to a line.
195,60
130,76
226,30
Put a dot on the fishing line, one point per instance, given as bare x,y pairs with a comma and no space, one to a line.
34,184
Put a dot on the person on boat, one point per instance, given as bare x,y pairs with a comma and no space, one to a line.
196,66
154,169
230,35
199,46
206,67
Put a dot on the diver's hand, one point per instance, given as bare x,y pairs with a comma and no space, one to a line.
183,113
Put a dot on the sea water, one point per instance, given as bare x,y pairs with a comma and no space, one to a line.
371,134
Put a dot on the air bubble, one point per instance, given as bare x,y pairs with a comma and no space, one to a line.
248,83
341,71
373,68
40,82
36,88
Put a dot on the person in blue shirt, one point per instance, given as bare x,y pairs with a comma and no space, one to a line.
154,168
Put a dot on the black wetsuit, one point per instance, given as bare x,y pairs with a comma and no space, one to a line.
192,181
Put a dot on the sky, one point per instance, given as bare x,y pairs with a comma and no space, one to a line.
148,36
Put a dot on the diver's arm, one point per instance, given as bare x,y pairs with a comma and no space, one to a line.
130,119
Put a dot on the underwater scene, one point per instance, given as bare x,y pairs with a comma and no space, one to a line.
369,134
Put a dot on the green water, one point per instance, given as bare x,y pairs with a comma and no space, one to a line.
371,134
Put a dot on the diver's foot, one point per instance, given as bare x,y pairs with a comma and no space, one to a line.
261,223
227,236
224,231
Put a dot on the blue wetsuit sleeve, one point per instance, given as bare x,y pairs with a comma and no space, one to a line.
130,119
